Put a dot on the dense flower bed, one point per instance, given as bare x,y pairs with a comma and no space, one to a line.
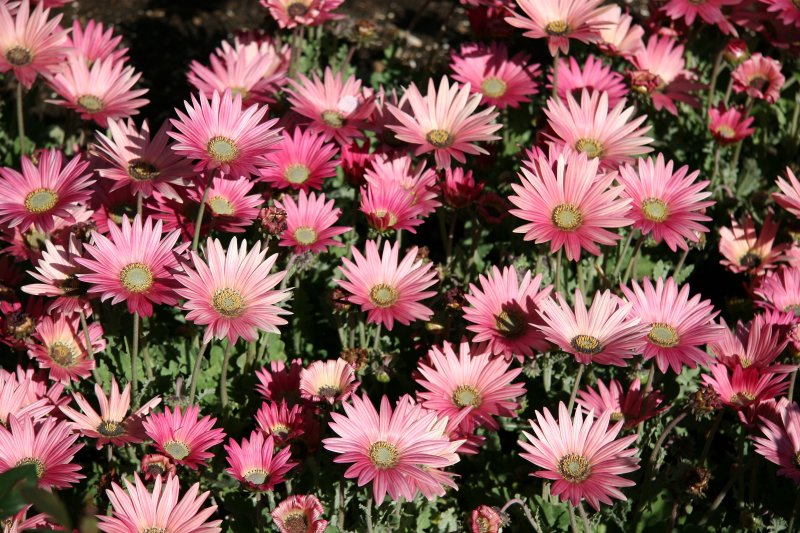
550,284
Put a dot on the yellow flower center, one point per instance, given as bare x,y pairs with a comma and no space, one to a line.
616,416
228,302
41,200
590,147
439,138
493,87
332,118
295,522
176,449
297,173
743,397
328,391
566,217
305,236
91,103
279,430
110,428
725,131
63,354
221,206
557,28
136,277
655,210
383,295
663,335
19,56
155,530
256,476
222,149
241,91
466,395
384,455
140,170
586,344
574,468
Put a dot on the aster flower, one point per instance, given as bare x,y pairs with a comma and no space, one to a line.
780,291
760,77
568,203
255,45
582,456
745,250
789,197
283,423
336,108
745,387
459,189
184,436
667,205
155,465
331,381
231,208
49,446
136,265
232,292
788,11
678,325
729,126
95,42
592,75
445,121
469,382
101,92
220,134
292,13
387,290
617,35
134,160
604,334
755,344
502,81
281,381
299,513
301,161
18,400
31,43
558,21
589,126
632,406
113,425
61,348
485,519
504,312
395,449
57,273
780,443
43,191
310,223
662,74
710,11
255,464
136,509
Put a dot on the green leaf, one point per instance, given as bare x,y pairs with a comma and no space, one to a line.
48,503
11,500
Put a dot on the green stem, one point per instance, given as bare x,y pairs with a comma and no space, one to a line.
86,336
556,58
139,202
575,386
21,118
573,523
712,86
223,380
559,261
715,170
710,438
134,357
340,508
198,223
525,510
196,372
376,343
368,513
651,374
648,471
622,254
632,263
587,528
681,261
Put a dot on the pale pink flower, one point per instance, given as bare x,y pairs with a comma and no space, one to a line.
632,406
299,514
301,160
708,10
95,42
756,344
310,223
231,208
780,443
759,77
746,250
617,35
331,381
789,197
31,43
184,436
292,13
788,11
256,464
18,399
61,348
573,77
57,274
780,291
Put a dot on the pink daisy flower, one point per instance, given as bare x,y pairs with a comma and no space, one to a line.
292,13
788,11
567,203
590,127
101,92
184,437
388,290
136,265
558,21
632,406
780,443
231,209
331,381
755,344
133,160
232,292
155,465
220,134
582,456
445,121
113,425
780,291
504,312
708,10
281,422
760,77
310,223
281,381
57,273
745,250
667,205
617,35
136,509
604,334
95,42
256,464
745,386
678,325
49,446
395,449
255,45
301,160
62,348
43,191
17,399
500,80
485,519
459,189
789,197
299,514
336,108
474,384
30,42
592,75
729,126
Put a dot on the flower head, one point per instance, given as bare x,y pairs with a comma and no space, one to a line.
331,381
788,11
31,43
632,406
299,513
789,197
710,11
283,423
63,348
780,443
280,381
591,75
292,13
57,274
255,462
94,42
310,223
301,161
746,250
184,436
760,77
617,35
745,387
729,126
756,344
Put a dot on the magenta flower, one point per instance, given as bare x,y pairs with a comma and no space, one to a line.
184,436
632,406
591,75
256,464
310,223
710,11
729,126
61,348
292,13
30,42
759,77
95,42
299,514
57,274
789,197
780,443
301,161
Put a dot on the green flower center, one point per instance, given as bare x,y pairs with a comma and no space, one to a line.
439,138
297,173
41,200
136,277
590,147
221,206
222,149
331,118
91,103
466,395
566,217
256,476
493,87
383,455
663,335
574,468
655,210
176,449
305,236
228,302
383,295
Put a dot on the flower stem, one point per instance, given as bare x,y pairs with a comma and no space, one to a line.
525,510
648,471
635,259
21,118
196,372
573,523
134,357
198,223
681,261
559,261
89,349
587,528
556,58
340,508
710,438
621,255
376,343
223,379
139,202
712,86
575,387
651,374
368,513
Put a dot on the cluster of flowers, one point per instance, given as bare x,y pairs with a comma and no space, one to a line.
122,221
